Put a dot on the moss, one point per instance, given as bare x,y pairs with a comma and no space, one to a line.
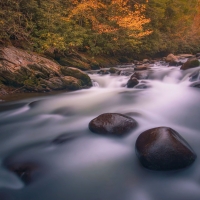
74,63
95,65
191,63
112,70
83,77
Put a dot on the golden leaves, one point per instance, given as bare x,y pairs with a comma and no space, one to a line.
110,17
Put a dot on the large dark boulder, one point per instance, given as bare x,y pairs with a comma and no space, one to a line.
132,82
191,63
112,124
162,148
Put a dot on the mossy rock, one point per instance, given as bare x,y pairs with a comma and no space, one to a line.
191,63
112,70
70,71
74,63
72,83
95,65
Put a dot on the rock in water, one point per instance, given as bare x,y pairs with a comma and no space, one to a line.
162,148
171,58
190,63
132,82
112,124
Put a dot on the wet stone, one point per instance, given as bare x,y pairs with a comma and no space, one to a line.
112,124
132,82
162,148
25,171
190,63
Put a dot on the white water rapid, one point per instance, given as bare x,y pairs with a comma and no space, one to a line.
66,161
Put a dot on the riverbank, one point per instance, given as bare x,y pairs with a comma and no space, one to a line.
22,71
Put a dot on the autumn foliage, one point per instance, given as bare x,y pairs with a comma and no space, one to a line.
100,27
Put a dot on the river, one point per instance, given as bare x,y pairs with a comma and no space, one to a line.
48,138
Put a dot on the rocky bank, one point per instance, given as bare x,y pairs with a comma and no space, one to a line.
22,71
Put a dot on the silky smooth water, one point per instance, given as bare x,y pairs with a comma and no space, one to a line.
50,133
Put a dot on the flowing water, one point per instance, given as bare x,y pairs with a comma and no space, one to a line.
48,136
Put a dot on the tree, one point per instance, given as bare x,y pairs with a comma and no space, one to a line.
111,25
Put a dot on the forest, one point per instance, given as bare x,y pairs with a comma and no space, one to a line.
102,27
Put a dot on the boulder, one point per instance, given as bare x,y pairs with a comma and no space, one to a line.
171,58
162,148
190,63
145,61
141,67
112,124
132,82
78,74
94,65
25,71
140,75
112,70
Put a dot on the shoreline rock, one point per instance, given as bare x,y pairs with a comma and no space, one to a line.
22,71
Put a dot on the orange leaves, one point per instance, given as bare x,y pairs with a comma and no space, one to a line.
110,17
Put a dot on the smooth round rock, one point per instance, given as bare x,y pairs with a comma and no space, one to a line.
112,124
162,148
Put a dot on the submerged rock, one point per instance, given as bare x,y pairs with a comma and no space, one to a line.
63,138
191,63
142,86
162,148
112,124
25,171
132,82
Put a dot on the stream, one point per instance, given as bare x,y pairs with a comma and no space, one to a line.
58,158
